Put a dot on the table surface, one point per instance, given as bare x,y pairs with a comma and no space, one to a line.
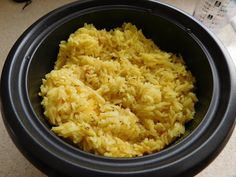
14,20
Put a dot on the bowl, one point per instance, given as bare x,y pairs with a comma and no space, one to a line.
34,54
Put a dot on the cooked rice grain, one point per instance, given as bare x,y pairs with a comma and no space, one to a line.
115,93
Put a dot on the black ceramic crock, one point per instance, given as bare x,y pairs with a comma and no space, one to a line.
34,54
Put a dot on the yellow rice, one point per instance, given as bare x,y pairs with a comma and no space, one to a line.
115,93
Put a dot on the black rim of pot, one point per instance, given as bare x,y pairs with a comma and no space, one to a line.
51,154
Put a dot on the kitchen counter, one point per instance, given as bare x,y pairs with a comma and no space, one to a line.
14,21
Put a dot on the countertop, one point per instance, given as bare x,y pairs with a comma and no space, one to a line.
14,21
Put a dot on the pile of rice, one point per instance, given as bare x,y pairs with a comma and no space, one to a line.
115,93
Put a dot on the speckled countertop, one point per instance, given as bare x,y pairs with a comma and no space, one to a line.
14,20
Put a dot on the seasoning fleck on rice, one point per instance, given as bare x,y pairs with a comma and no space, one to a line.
115,93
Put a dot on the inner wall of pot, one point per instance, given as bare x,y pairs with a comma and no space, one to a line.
167,35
